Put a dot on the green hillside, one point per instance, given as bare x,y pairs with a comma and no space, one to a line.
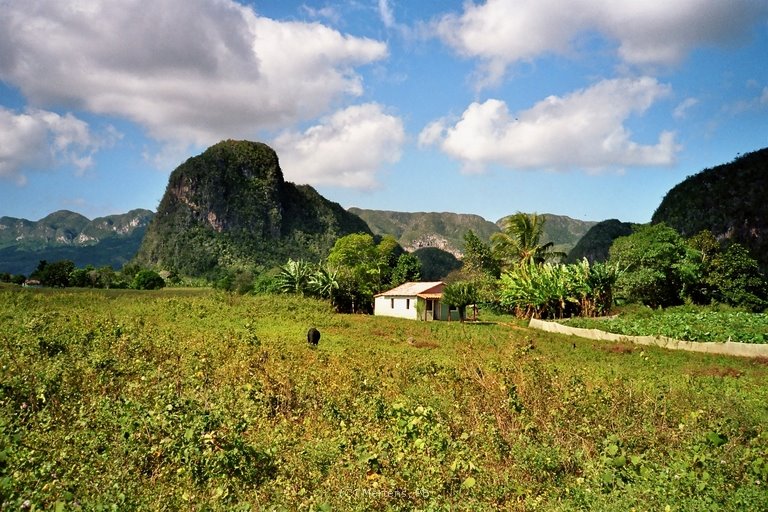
418,230
230,207
594,245
729,200
446,230
112,240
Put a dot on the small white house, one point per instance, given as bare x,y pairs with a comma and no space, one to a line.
417,301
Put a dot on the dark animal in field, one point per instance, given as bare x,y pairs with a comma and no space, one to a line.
313,336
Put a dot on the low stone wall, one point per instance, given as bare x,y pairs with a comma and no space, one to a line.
729,348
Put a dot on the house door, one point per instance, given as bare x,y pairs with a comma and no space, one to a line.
430,311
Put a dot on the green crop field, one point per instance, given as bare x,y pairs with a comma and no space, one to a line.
690,323
202,400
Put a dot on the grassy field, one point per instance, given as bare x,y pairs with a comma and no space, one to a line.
200,400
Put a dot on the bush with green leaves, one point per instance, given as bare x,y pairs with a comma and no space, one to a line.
655,266
148,280
556,290
460,295
294,277
727,275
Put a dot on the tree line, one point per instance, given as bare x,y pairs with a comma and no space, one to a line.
513,272
654,266
64,274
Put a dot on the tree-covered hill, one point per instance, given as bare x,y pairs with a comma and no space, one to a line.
562,231
729,200
594,245
418,230
445,231
230,207
112,240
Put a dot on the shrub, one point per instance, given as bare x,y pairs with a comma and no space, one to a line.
148,280
556,290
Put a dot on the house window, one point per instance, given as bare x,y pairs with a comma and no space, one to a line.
392,303
407,303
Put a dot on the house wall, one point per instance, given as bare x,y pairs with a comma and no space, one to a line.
400,307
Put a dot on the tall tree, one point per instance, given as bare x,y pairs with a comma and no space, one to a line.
655,265
478,257
408,268
519,241
357,261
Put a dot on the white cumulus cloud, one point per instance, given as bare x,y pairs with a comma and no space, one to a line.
188,71
347,148
584,129
42,140
647,33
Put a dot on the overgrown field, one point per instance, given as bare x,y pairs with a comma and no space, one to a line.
198,400
690,323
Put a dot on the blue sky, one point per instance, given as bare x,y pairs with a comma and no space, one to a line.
588,108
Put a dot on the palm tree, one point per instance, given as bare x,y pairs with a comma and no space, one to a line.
519,241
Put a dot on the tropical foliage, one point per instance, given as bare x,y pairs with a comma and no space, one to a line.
519,241
662,269
479,258
460,294
555,290
357,268
653,262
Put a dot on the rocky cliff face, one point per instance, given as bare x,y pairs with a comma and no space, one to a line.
230,206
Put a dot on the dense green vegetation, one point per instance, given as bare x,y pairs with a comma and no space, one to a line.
728,200
659,268
685,323
229,210
204,400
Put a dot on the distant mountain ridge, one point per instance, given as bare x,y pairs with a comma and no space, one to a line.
418,230
111,240
445,230
727,199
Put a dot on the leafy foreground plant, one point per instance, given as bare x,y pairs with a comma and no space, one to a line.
201,400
